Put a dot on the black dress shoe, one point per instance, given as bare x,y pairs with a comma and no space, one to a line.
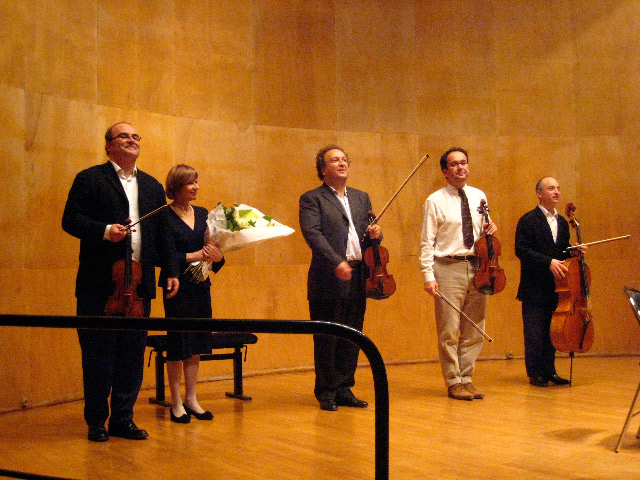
329,405
98,433
538,381
559,380
128,431
351,402
206,415
186,418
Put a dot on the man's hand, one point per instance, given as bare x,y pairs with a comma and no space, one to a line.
117,233
558,268
172,286
431,287
490,228
343,271
374,231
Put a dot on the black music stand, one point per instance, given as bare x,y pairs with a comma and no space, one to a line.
634,299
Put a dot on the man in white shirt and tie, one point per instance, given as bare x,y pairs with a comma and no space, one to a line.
451,223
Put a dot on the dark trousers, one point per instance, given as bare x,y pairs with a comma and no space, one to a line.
112,364
539,352
336,359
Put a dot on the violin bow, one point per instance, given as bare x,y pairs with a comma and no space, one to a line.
623,237
466,317
144,217
402,186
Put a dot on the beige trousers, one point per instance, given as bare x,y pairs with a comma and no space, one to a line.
459,343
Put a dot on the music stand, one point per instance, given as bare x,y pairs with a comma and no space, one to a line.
634,299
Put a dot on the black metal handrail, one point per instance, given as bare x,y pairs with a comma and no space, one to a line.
378,370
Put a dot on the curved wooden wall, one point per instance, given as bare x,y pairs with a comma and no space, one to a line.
246,91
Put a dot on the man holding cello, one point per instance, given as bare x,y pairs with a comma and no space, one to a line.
333,221
542,237
101,200
451,223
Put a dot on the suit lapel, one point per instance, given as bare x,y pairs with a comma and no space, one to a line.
114,181
331,196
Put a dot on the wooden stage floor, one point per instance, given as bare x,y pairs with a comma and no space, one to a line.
516,432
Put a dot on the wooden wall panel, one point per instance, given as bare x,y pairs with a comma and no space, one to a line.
295,57
214,60
136,55
248,91
61,49
13,19
375,66
455,68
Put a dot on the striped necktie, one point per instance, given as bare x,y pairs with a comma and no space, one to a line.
467,227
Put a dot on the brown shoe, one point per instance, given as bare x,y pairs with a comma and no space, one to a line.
472,390
458,392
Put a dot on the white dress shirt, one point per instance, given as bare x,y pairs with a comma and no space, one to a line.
353,242
130,185
552,219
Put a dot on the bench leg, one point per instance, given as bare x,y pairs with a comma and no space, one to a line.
237,377
159,399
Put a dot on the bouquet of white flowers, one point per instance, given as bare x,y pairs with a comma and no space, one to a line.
234,228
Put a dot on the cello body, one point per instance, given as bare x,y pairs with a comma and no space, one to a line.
571,323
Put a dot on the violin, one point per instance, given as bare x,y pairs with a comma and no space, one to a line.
572,322
379,284
490,278
126,274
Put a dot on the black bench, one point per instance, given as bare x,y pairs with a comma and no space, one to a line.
221,340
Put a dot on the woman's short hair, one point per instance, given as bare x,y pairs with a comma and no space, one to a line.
178,177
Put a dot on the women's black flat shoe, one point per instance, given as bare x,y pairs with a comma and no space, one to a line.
206,415
186,418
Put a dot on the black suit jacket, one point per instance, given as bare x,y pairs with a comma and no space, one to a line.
325,227
97,199
535,248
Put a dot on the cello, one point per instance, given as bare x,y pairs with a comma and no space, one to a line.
490,277
572,322
379,284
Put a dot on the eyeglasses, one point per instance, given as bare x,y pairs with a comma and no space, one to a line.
340,159
462,163
125,136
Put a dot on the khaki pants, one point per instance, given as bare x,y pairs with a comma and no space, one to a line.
459,343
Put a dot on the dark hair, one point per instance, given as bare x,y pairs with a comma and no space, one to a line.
443,158
539,184
108,136
178,177
320,161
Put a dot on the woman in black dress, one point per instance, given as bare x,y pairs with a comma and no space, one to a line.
193,300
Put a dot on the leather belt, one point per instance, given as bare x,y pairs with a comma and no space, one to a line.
464,258
354,263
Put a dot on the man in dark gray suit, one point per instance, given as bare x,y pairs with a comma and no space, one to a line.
100,201
334,222
542,235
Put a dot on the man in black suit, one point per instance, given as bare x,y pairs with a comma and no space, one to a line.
541,239
334,223
100,201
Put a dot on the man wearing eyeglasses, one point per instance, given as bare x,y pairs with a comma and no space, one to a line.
102,200
451,223
333,221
